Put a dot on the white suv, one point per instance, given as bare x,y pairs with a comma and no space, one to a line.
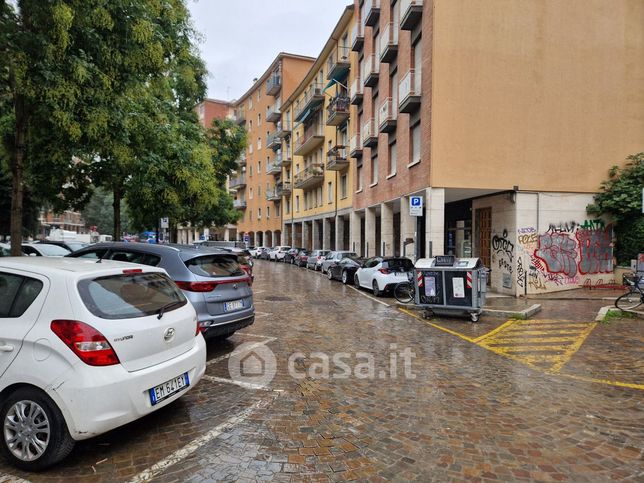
281,253
86,347
383,274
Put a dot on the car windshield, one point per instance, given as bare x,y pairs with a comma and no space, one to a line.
52,250
399,264
5,251
76,245
130,295
215,266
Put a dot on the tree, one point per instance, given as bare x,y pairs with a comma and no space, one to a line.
620,197
99,212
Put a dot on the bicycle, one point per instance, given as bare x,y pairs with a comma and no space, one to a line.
405,291
634,297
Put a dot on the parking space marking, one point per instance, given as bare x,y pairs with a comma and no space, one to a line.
246,385
249,334
369,296
6,478
194,445
247,348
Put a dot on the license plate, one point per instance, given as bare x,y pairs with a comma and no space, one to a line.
233,305
168,388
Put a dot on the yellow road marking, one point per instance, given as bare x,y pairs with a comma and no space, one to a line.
574,347
498,329
531,340
436,326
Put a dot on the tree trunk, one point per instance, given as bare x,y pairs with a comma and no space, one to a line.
116,204
17,173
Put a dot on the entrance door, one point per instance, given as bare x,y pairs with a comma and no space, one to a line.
484,235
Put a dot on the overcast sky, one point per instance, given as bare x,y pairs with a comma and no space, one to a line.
242,37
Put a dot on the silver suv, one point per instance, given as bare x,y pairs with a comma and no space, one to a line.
212,279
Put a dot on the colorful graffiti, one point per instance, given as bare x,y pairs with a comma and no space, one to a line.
559,252
595,248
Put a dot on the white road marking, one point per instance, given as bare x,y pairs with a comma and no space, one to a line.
259,315
369,296
194,445
247,385
246,348
6,478
257,335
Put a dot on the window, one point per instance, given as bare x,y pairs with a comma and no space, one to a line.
259,143
393,158
319,191
134,257
17,293
329,192
374,170
259,213
418,57
259,94
250,194
393,89
250,102
259,167
297,203
259,191
268,212
360,176
250,170
250,123
214,266
415,144
287,206
343,186
259,119
250,148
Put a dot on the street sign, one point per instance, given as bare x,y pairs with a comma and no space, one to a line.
415,206
165,223
246,238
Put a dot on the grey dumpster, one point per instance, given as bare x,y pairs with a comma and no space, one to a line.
447,285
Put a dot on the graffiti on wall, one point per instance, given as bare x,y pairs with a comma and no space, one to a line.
558,257
503,256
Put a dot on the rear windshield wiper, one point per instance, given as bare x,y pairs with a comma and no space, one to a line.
162,310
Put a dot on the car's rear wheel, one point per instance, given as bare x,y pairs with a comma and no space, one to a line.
345,277
356,280
376,291
34,433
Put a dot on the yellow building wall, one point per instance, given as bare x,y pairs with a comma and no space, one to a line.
543,94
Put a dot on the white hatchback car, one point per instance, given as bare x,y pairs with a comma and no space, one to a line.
382,274
86,347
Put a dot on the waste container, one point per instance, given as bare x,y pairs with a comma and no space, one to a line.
447,285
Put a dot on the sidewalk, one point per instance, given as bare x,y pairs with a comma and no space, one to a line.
580,294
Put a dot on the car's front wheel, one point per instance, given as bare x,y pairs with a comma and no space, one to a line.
376,291
356,280
329,275
345,277
34,433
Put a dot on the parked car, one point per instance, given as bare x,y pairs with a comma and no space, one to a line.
345,269
211,279
301,258
244,258
279,253
265,254
71,245
44,250
290,255
382,274
335,256
5,250
255,251
315,259
88,347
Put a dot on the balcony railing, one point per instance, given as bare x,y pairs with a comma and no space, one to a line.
274,168
356,91
284,157
239,204
313,137
237,182
411,12
388,41
337,111
285,188
371,12
339,63
273,113
310,176
274,82
336,158
313,98
273,195
387,115
409,91
357,37
273,140
240,117
369,134
355,147
283,128
241,160
372,71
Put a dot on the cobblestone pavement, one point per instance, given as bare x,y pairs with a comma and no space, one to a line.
470,411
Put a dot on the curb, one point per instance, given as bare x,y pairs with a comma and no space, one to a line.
608,309
510,314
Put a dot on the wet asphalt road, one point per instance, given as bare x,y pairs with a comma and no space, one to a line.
557,398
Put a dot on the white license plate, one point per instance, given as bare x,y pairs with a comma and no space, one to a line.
233,305
168,388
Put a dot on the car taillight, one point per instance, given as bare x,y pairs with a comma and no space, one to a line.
199,329
197,286
86,342
384,270
246,268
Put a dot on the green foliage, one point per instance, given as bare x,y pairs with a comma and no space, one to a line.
30,212
100,213
620,197
227,142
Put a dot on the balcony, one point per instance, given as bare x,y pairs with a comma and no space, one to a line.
372,71
355,147
241,161
274,83
239,204
240,117
237,182
274,168
387,115
356,92
312,139
313,98
336,159
388,43
284,188
273,113
411,12
284,157
338,64
273,195
357,37
337,111
409,93
369,134
283,129
310,176
274,141
371,12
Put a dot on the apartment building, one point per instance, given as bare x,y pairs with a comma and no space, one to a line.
315,124
505,117
259,184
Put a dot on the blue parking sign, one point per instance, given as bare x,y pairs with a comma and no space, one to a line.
415,206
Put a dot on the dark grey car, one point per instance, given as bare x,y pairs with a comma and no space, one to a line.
335,257
212,279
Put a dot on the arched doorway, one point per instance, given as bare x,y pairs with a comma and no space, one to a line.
268,236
